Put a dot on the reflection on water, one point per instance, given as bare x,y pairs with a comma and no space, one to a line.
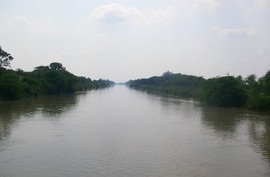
228,123
50,106
124,132
222,121
259,133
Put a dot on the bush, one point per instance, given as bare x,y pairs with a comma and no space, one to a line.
224,91
11,87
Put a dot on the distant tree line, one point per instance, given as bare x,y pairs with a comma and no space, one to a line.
44,80
226,91
177,84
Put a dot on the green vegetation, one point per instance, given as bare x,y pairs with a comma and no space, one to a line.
258,92
177,84
226,91
11,87
44,80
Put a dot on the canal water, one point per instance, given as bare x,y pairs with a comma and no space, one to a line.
121,132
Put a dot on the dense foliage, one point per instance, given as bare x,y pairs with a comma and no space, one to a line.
227,91
178,84
258,92
44,80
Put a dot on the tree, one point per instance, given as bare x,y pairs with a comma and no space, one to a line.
251,80
5,58
42,68
10,86
266,84
57,66
167,74
224,91
54,82
176,84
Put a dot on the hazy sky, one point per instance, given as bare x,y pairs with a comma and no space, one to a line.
128,39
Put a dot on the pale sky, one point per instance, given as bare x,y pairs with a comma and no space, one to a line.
128,39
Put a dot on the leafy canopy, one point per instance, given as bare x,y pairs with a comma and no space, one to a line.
5,58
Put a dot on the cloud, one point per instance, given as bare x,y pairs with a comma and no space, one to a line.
205,3
264,49
237,32
214,4
23,22
262,3
111,13
117,13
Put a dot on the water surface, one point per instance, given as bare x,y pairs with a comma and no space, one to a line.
118,132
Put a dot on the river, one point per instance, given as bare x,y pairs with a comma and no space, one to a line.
122,132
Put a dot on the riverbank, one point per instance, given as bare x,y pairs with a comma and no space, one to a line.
44,80
226,91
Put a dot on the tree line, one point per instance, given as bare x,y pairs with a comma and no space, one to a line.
225,91
43,80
